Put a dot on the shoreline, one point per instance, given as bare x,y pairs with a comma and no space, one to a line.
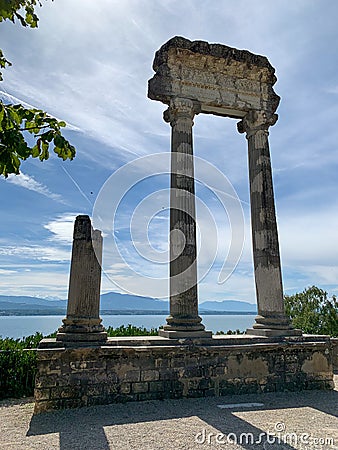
124,313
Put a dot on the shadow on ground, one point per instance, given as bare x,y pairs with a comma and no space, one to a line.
85,428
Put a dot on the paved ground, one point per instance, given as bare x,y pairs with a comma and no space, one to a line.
306,420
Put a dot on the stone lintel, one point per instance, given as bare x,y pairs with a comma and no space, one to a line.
220,51
223,80
222,111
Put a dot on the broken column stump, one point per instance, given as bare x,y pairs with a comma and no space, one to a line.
83,323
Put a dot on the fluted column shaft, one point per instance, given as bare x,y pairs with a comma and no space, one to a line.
183,265
83,322
269,289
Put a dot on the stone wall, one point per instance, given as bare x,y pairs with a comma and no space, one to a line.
334,342
131,371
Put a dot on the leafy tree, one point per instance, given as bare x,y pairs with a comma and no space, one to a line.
313,312
16,121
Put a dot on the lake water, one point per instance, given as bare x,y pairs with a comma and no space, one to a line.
19,326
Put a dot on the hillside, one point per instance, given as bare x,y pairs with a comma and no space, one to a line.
113,302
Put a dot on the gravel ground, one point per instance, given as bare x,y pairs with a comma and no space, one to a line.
305,420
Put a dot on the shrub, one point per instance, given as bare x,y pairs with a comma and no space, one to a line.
17,369
131,330
313,312
18,359
229,332
18,365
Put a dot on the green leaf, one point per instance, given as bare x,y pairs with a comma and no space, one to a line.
31,127
28,114
45,153
15,162
48,136
59,141
2,111
35,151
14,116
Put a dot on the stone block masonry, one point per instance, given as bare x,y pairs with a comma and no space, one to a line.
334,342
153,369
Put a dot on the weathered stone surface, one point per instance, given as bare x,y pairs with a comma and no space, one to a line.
198,77
271,319
150,375
334,343
220,79
141,387
82,323
113,374
183,320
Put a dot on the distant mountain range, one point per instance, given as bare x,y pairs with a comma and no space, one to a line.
114,303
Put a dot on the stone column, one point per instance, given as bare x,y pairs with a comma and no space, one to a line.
183,321
271,319
82,323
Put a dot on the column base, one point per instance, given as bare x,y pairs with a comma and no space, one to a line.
269,324
81,325
184,327
272,332
273,325
81,330
188,334
82,338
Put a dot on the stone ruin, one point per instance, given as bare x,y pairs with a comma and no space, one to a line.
83,322
81,366
197,77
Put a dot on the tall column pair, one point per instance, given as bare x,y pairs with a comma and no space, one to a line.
184,320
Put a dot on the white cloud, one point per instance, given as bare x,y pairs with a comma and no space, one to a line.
11,99
331,90
309,238
99,83
42,283
61,229
7,272
28,182
36,252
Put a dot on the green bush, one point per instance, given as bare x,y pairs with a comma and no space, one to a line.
18,366
17,369
18,359
229,332
131,330
313,312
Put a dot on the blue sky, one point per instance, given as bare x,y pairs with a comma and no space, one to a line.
88,63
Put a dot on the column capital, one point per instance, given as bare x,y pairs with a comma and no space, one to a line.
181,108
256,121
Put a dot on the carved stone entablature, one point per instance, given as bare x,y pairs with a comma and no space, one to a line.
223,80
